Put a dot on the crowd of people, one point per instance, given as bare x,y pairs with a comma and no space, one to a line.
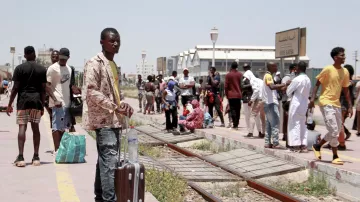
260,100
104,111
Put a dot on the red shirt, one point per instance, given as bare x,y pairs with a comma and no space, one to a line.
232,84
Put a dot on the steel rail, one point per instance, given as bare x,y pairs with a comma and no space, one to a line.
250,182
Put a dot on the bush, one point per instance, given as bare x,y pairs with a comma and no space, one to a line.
165,186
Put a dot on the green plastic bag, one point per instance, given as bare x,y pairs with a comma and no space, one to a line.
72,149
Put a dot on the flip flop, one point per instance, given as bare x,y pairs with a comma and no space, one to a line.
337,161
317,153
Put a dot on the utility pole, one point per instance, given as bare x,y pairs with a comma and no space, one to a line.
356,60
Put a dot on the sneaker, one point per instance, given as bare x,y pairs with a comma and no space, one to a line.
20,162
268,146
275,145
250,135
54,153
234,128
261,135
341,147
284,138
222,125
36,160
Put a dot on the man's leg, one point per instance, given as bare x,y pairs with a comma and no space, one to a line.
168,120
58,126
275,124
36,139
97,184
108,141
332,118
268,126
22,118
140,102
174,117
232,112
255,118
285,124
249,123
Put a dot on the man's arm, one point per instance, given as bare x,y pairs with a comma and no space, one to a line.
269,81
92,88
256,91
49,91
226,86
291,88
14,92
313,95
348,99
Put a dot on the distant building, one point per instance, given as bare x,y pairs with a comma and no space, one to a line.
145,69
199,60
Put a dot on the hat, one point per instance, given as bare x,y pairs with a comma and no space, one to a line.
64,53
171,78
185,69
277,73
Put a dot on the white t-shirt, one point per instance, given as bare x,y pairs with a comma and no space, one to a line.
186,81
59,77
269,96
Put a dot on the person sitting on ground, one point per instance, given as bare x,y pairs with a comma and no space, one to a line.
208,122
194,120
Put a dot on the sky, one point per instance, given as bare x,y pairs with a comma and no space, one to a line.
165,27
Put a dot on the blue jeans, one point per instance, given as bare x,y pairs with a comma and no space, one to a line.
107,143
61,118
272,123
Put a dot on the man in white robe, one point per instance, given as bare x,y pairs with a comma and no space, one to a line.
299,90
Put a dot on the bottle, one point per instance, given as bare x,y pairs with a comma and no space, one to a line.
133,145
309,119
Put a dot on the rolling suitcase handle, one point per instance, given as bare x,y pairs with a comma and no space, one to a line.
120,138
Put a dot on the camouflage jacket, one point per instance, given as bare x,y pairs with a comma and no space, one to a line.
99,103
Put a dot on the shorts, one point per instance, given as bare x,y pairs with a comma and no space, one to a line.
333,121
61,119
28,115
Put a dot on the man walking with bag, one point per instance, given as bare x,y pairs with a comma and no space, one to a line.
104,112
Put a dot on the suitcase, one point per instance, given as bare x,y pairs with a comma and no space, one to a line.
129,179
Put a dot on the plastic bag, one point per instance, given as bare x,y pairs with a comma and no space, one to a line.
72,149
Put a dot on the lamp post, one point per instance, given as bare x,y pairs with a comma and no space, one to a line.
214,35
226,60
19,58
143,55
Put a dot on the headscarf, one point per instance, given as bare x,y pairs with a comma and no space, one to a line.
195,104
171,85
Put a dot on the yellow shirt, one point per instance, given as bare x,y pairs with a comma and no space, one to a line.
116,81
332,81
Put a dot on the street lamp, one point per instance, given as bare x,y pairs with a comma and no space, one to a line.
226,60
214,35
143,55
19,58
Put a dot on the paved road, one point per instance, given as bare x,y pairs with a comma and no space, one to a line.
50,181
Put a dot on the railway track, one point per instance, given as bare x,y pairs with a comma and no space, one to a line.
253,183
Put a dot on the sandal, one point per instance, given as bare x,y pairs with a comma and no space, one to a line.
20,162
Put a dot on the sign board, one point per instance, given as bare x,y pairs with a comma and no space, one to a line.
287,43
161,64
12,49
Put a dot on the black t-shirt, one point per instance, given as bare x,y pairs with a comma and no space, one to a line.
30,77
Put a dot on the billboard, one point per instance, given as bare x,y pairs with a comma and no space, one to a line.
161,64
290,43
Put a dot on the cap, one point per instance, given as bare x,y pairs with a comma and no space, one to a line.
64,53
277,73
185,69
171,78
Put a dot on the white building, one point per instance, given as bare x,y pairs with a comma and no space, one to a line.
145,69
199,59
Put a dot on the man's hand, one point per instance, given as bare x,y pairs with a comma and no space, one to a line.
9,110
178,106
311,104
58,104
288,82
125,109
250,103
76,90
350,112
